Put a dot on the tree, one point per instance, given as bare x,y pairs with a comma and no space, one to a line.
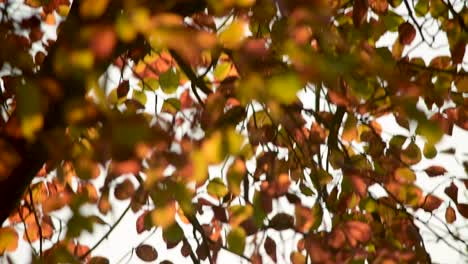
225,78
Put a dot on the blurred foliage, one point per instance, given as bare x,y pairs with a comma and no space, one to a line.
241,120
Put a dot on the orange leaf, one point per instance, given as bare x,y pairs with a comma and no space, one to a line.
357,231
8,240
450,215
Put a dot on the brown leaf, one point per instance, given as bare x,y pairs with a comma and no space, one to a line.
282,221
431,203
270,248
124,190
452,192
406,33
123,88
434,171
458,51
450,215
359,12
463,209
99,260
146,253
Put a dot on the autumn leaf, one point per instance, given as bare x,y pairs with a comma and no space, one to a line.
452,192
236,240
431,203
463,209
406,33
8,240
450,215
434,171
146,253
124,190
270,248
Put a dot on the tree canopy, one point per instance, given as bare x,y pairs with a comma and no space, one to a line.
234,121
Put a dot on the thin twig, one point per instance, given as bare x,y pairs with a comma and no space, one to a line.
107,233
37,220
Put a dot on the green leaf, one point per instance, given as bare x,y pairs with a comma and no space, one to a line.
429,151
422,7
169,81
173,233
430,130
236,240
217,188
222,70
150,84
29,109
140,96
284,87
171,105
392,21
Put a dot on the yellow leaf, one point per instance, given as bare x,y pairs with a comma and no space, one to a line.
212,148
284,87
200,167
8,240
233,35
93,8
164,216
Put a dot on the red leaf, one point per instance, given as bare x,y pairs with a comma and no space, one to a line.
434,171
270,248
282,221
140,223
431,203
452,192
463,209
406,33
450,215
146,253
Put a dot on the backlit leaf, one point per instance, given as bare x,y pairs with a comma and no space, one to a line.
236,240
450,215
217,188
169,81
8,240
